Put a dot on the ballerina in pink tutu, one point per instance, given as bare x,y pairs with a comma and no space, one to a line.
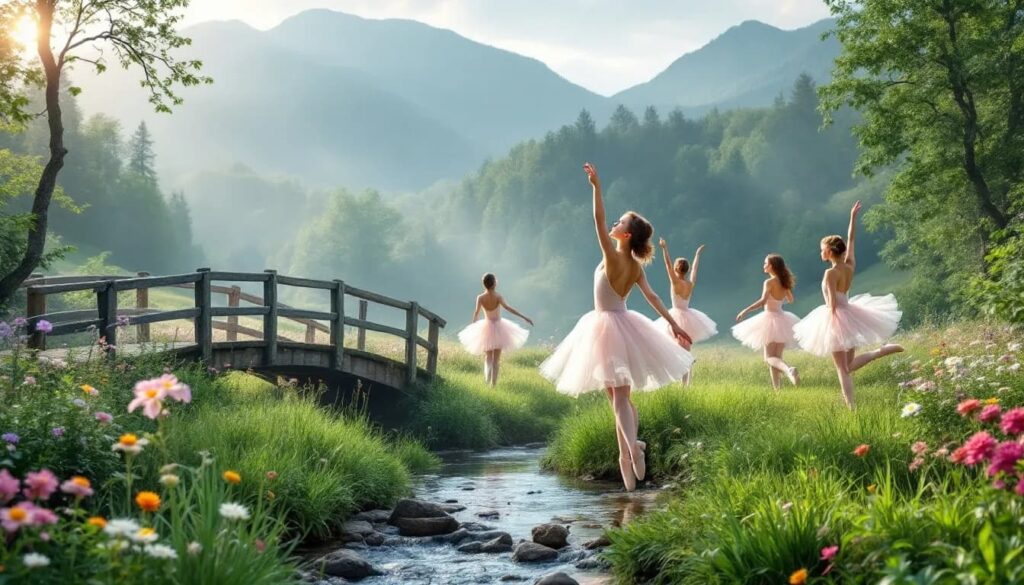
492,335
614,348
772,330
843,324
696,324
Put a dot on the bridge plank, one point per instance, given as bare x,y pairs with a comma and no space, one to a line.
370,325
74,327
305,282
157,317
303,314
238,311
52,289
376,298
155,281
238,276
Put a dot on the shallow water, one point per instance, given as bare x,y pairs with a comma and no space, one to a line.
501,480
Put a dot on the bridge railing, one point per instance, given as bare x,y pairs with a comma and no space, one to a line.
104,318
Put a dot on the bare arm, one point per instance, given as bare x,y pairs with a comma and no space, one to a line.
476,310
790,297
756,305
657,305
668,262
600,222
696,264
850,233
501,300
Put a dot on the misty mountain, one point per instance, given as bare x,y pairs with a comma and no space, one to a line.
748,65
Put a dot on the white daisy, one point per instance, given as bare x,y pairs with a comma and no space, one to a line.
910,409
35,560
161,551
121,527
232,511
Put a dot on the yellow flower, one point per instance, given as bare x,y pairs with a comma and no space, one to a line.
232,477
798,577
89,390
148,501
271,495
18,515
991,401
169,480
128,440
872,488
97,521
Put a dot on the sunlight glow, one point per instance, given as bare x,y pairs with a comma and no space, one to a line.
24,33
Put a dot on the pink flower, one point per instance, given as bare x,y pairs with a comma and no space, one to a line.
9,486
959,455
999,484
978,448
1013,421
40,484
990,413
104,418
1019,489
919,448
149,394
1005,457
43,516
967,407
941,452
862,450
916,463
77,486
175,389
14,518
829,552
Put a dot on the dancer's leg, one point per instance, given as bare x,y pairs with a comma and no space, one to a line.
625,459
487,367
495,366
858,362
636,417
842,359
773,357
625,413
774,372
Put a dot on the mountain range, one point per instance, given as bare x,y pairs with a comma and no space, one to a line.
333,99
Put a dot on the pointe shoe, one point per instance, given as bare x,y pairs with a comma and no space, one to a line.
794,376
642,445
640,464
628,477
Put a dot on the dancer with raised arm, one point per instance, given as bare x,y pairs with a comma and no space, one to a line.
843,324
772,330
683,280
492,335
613,348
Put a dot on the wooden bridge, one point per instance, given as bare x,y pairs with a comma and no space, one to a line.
269,354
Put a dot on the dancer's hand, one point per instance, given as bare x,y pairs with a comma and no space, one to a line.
591,174
700,249
682,336
740,316
662,243
528,320
855,210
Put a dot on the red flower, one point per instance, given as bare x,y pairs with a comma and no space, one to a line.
967,407
959,455
862,450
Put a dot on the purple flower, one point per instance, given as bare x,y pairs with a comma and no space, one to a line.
44,326
20,321
5,330
122,320
1005,457
79,403
10,438
104,417
57,432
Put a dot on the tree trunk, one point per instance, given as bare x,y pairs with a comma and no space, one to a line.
48,180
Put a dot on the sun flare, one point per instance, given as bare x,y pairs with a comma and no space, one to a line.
24,33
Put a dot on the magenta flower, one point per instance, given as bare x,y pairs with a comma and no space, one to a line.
967,407
829,552
990,413
978,448
104,417
919,448
44,326
9,486
43,516
57,432
40,484
20,321
1013,421
1005,457
1019,489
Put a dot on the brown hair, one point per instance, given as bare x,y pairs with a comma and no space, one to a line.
835,244
781,271
489,281
682,266
640,233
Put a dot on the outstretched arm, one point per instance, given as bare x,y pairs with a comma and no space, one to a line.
851,232
696,264
476,310
600,221
756,305
668,261
508,308
657,305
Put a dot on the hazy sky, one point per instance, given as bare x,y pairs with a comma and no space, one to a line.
603,45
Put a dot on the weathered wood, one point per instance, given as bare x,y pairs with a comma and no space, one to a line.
270,319
36,306
424,343
432,336
361,331
233,297
238,312
156,281
303,314
53,289
238,276
106,304
157,317
236,329
431,316
204,320
76,279
338,325
377,298
371,326
75,327
305,282
411,324
142,302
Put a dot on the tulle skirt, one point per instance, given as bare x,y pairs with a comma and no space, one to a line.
613,349
490,334
695,323
864,320
766,327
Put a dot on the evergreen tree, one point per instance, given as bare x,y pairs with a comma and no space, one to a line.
141,157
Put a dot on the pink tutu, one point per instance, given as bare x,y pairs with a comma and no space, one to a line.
489,334
767,327
862,320
695,323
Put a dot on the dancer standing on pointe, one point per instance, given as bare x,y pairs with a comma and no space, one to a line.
843,324
614,348
492,335
695,323
772,330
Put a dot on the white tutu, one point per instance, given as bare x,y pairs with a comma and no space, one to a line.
695,323
612,349
490,334
861,320
767,327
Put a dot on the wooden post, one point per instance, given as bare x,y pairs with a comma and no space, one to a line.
204,320
432,336
106,307
142,302
234,297
270,319
411,322
35,306
338,325
311,331
361,333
